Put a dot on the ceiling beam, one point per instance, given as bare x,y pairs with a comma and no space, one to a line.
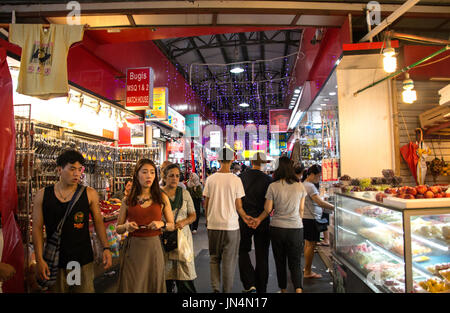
222,49
442,24
164,50
211,7
295,20
131,20
223,45
390,19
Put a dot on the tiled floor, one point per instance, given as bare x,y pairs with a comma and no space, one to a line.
202,283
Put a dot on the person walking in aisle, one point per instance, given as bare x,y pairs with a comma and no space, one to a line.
287,195
50,206
119,195
195,188
223,192
299,170
177,271
162,182
142,258
254,279
314,207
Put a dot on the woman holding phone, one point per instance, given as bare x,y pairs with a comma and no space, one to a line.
142,259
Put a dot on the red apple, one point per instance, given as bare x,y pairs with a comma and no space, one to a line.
438,195
421,189
429,194
435,189
420,196
380,196
447,195
411,191
408,196
401,196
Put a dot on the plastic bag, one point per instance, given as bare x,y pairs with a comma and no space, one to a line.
185,253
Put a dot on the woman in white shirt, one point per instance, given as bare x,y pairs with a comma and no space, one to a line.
287,195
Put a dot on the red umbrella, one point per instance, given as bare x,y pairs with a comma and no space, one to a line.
409,153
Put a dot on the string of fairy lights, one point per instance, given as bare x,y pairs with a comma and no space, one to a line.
237,95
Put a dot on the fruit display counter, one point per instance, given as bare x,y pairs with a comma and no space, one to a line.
392,249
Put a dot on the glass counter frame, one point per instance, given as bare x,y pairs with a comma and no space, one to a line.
406,213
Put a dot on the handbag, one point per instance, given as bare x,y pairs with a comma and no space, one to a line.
185,253
52,246
169,239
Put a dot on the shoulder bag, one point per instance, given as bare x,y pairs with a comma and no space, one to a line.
169,239
52,247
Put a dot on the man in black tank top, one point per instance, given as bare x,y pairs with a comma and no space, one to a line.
50,205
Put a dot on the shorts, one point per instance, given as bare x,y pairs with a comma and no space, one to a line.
309,230
327,216
86,281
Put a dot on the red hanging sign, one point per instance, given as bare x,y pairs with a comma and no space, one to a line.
140,88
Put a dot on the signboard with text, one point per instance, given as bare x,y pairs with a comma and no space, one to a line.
214,139
279,118
139,94
175,120
137,133
159,112
193,124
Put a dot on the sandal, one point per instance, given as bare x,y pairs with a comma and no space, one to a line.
313,275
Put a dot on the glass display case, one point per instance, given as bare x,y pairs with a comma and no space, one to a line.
391,249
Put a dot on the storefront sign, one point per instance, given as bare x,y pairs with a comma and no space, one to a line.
279,118
108,134
137,133
193,124
139,88
175,149
175,120
248,154
274,149
160,105
214,139
282,139
156,133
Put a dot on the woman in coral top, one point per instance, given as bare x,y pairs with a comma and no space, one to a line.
142,262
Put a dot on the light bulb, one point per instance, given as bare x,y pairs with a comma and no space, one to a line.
389,60
244,105
236,70
409,96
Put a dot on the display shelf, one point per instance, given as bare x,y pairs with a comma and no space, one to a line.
435,243
396,245
389,254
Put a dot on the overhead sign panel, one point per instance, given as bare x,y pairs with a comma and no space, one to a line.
139,95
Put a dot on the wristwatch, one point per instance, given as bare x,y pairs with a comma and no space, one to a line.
165,224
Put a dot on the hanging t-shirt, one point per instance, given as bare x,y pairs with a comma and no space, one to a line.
223,189
43,66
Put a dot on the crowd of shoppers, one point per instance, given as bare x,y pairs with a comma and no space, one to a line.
242,206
